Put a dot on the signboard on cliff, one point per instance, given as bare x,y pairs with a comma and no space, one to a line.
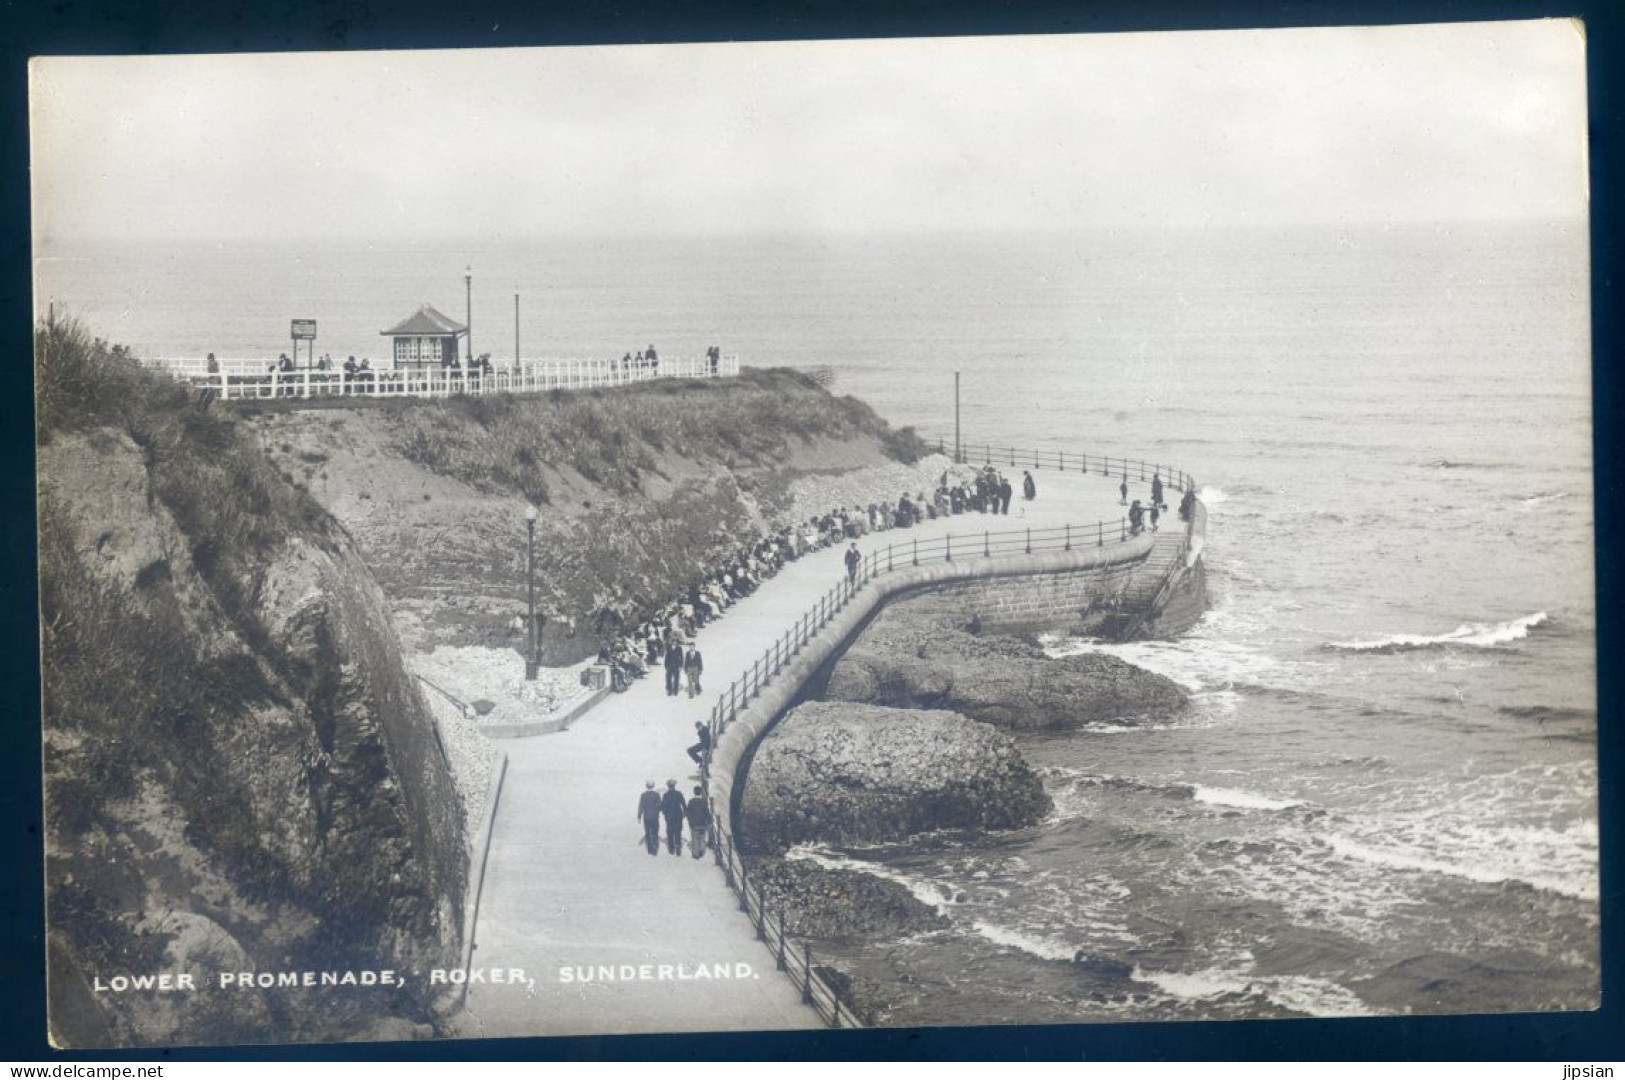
304,330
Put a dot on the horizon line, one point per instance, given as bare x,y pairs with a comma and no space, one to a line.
792,233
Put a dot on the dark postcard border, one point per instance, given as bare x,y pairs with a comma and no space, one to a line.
69,27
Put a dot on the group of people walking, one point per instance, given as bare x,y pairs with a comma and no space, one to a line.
1139,515
630,651
359,375
988,493
646,360
670,808
666,635
683,660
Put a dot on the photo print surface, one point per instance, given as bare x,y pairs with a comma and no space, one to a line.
1038,529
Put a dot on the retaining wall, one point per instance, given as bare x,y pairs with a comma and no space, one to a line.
731,754
1070,601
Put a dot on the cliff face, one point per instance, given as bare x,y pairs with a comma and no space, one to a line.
240,773
864,774
914,656
640,489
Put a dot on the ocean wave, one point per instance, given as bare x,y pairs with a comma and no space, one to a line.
1197,664
1477,635
1494,864
1103,728
1023,942
937,897
1542,713
1541,500
1298,993
1446,463
1242,800
1229,798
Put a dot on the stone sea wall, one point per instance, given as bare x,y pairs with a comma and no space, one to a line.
812,665
1073,601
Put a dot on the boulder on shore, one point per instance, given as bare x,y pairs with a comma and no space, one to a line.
832,904
921,660
846,773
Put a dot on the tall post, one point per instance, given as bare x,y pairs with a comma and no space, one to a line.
531,636
468,306
958,457
516,330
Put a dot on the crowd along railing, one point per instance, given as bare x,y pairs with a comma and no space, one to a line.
1123,468
897,554
232,383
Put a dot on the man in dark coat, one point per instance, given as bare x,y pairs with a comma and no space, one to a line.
853,561
1005,493
1156,489
674,668
674,809
649,814
1029,487
698,750
699,822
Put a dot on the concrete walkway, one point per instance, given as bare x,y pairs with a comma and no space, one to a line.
568,882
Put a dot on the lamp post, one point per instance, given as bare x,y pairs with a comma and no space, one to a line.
958,457
533,635
468,306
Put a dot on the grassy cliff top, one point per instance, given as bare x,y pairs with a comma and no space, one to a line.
615,438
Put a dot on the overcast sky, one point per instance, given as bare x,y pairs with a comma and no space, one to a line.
1482,120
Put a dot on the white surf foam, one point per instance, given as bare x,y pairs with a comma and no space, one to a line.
1027,943
1478,635
1300,993
1242,800
938,897
1558,862
1197,664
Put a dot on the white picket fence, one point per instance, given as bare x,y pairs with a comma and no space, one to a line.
239,379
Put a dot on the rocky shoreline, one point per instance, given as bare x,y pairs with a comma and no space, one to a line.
915,656
918,731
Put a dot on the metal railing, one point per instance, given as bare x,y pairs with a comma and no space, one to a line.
798,960
795,960
1064,461
233,383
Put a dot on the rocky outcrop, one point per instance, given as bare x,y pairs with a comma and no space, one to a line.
829,904
240,773
861,773
913,658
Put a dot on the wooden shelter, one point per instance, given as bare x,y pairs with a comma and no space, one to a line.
425,341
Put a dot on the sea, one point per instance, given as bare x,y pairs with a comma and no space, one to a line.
1382,799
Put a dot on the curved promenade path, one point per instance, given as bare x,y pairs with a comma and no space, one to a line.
568,882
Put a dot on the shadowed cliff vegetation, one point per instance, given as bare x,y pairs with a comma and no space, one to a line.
237,767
